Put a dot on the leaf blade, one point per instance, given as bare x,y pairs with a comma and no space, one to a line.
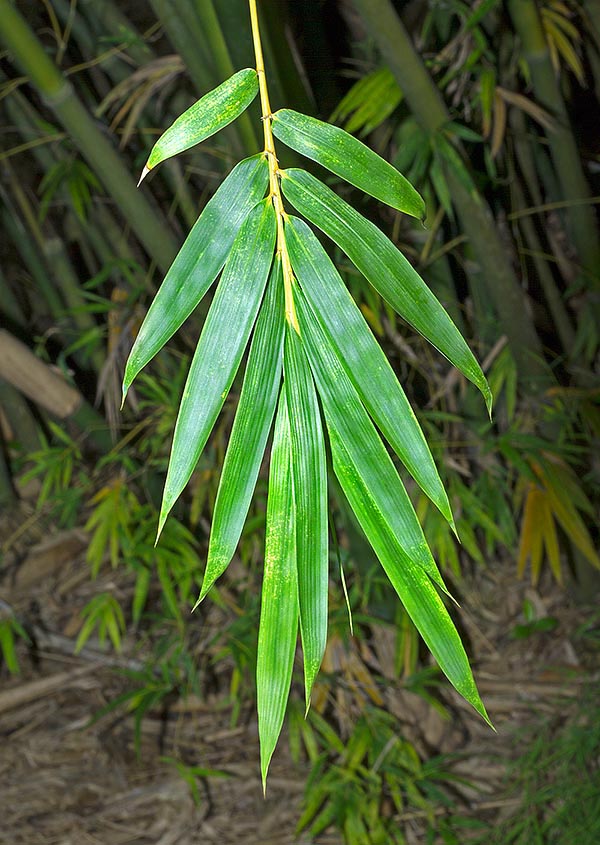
363,359
249,433
309,472
199,261
412,584
376,257
220,347
278,627
211,113
345,411
347,157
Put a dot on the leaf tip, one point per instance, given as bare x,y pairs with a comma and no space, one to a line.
452,525
203,593
489,399
145,172
264,768
161,524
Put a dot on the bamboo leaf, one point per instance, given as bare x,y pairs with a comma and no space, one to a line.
199,261
527,528
385,267
349,158
573,525
345,412
250,431
537,535
551,542
363,359
413,585
309,472
208,115
221,346
278,626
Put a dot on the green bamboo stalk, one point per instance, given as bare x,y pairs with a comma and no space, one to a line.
59,95
102,14
214,34
106,237
25,245
20,418
111,19
185,34
57,258
592,7
552,294
10,310
60,267
8,497
502,287
567,161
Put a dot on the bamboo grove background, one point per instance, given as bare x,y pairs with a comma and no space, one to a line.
489,108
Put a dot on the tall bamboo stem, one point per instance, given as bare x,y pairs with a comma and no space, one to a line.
502,287
552,294
7,491
60,96
581,218
213,32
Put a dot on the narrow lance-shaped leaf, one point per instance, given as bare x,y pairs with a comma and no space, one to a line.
385,268
221,346
414,587
249,433
346,156
309,471
199,261
212,112
278,626
363,359
369,456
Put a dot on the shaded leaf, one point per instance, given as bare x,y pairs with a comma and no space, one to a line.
278,626
369,102
349,158
363,359
309,472
199,261
250,431
385,267
221,346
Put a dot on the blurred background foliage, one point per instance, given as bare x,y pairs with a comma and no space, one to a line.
490,108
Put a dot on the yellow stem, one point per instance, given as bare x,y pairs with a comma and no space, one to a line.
275,190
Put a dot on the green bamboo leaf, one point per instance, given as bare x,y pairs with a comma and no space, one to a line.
221,346
413,585
199,261
278,626
349,158
208,115
249,433
345,412
309,472
363,359
385,267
